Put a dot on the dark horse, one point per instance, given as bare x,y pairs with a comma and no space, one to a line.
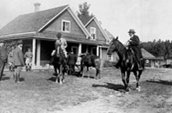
127,62
90,60
60,64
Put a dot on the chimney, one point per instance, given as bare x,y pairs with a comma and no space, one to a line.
37,7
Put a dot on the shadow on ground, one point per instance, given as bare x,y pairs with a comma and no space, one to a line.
53,79
5,78
117,87
164,82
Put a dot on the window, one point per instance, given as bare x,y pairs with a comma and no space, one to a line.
93,32
65,26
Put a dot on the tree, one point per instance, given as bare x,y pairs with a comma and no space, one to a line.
159,48
83,13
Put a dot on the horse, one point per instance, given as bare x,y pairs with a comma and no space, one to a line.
127,62
60,63
90,60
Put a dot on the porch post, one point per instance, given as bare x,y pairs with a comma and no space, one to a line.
97,51
33,52
38,56
100,52
80,49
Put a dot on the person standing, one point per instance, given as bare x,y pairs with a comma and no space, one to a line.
28,56
18,60
10,58
72,58
134,44
3,58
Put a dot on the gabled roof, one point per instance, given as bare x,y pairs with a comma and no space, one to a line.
37,21
98,24
147,55
84,19
30,22
110,36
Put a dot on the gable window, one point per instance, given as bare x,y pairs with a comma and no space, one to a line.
65,27
93,32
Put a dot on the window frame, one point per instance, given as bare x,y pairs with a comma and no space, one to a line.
91,29
65,21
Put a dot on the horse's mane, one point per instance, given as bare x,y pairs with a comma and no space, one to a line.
121,44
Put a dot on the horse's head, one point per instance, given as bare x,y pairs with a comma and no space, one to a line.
113,46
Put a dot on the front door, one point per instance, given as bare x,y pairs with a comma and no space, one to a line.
93,50
74,49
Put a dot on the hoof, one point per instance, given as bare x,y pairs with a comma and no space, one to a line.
56,81
127,89
138,88
60,82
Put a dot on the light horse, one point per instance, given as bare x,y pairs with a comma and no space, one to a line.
127,62
60,64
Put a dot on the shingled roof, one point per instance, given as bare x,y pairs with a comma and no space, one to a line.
147,55
31,22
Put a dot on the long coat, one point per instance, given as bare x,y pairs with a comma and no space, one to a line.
135,45
18,57
3,59
3,54
72,58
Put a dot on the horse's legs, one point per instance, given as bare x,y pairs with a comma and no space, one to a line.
124,79
57,74
137,76
97,73
61,74
70,69
55,69
81,71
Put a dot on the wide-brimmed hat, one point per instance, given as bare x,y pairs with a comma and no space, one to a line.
131,31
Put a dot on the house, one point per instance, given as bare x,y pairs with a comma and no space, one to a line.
38,31
93,26
151,60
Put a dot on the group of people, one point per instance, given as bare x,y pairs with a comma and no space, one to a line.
15,58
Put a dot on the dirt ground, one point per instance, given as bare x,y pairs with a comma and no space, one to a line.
38,93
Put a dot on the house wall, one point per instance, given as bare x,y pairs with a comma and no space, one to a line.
104,55
27,44
55,26
99,34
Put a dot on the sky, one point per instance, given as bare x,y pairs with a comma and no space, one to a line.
151,19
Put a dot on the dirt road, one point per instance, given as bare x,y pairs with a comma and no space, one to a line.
38,93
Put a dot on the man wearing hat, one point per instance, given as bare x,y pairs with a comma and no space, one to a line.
18,60
62,42
3,57
134,44
72,58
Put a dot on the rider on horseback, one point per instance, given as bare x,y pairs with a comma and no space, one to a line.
62,42
134,44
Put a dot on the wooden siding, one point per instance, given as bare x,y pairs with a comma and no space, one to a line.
74,28
99,34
